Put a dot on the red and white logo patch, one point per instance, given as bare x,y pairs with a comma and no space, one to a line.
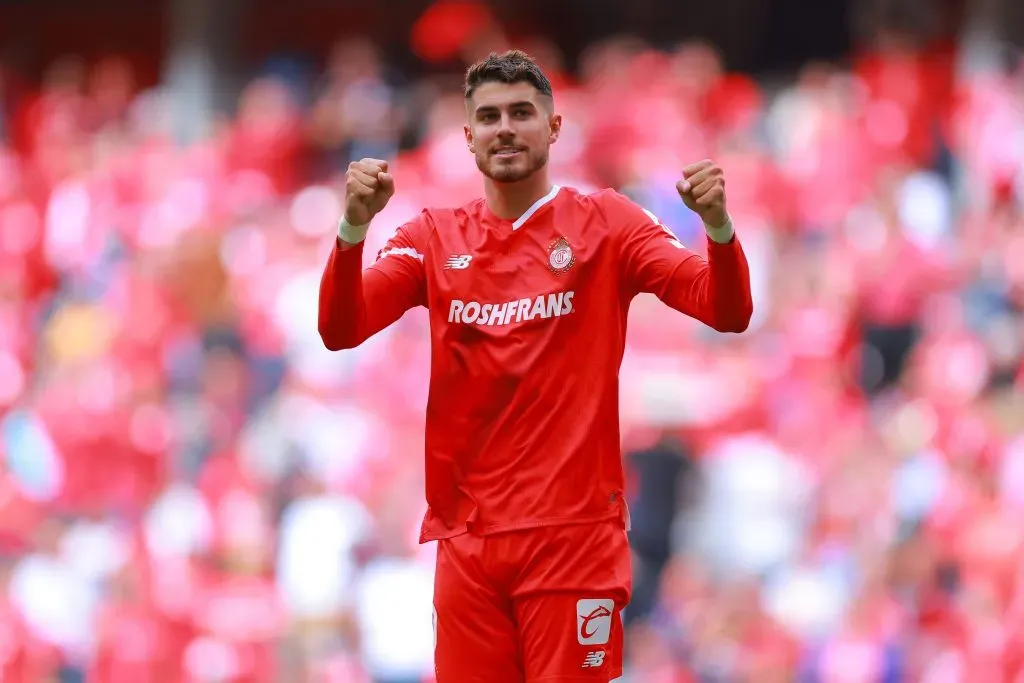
594,621
560,256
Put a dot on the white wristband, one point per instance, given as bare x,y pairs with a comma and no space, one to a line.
352,234
722,234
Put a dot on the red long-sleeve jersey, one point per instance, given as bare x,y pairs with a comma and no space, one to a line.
528,328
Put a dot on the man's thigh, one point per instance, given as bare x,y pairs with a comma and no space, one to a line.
568,637
475,636
568,603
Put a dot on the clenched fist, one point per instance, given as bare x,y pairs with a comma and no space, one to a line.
703,191
368,187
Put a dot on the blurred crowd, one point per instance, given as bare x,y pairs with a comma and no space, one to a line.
193,489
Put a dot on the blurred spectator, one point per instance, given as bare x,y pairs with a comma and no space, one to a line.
396,583
134,643
57,602
663,482
316,569
4,104
355,114
19,658
267,137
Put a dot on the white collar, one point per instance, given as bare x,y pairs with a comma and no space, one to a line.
536,207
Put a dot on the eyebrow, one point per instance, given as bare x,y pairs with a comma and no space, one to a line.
488,108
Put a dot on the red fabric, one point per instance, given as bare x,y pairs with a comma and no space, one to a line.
16,662
542,605
894,282
546,446
133,646
243,612
446,26
920,86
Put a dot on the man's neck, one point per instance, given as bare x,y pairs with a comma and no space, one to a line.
511,200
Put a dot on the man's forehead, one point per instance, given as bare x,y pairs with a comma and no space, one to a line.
494,94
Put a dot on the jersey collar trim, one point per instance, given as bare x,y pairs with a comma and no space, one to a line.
536,207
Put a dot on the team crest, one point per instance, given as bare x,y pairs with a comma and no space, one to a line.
560,256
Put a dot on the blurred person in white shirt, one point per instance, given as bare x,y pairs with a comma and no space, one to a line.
320,532
57,601
394,610
178,523
95,547
752,516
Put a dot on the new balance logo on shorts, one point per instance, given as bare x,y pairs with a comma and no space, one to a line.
593,659
594,621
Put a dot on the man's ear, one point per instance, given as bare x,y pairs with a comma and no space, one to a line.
555,127
469,138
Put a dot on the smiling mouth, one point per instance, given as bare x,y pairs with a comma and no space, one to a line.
507,152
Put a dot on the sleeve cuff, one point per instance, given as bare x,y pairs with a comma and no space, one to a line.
722,234
346,247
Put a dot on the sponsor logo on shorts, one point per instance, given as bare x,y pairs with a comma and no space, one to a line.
542,307
594,621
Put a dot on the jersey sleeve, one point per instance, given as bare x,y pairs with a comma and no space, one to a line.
356,304
715,291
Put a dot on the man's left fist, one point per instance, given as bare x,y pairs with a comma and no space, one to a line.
703,191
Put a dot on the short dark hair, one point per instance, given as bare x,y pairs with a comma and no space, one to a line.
511,66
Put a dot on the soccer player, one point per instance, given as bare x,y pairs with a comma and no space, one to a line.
528,290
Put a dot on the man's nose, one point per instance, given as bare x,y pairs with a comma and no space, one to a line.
506,130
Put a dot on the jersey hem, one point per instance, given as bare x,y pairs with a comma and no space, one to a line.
491,529
612,675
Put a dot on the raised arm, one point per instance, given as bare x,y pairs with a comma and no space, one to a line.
715,291
356,304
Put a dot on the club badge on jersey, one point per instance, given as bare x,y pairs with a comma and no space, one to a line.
560,256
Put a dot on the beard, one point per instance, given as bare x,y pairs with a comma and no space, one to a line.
518,169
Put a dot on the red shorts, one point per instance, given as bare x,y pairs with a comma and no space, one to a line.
534,605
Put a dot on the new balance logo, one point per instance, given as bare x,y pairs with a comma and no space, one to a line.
460,262
593,660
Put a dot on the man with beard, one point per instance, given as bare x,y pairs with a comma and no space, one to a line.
528,291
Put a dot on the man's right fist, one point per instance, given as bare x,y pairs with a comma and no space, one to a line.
368,187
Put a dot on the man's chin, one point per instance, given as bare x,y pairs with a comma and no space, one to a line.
504,173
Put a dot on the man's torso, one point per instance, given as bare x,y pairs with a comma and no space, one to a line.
528,326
